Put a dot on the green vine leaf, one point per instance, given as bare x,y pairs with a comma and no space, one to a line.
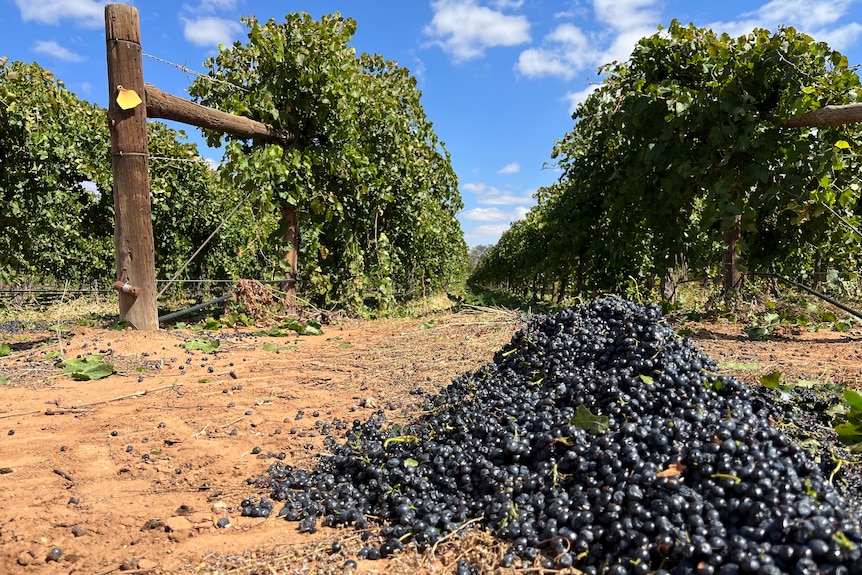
204,344
585,419
88,368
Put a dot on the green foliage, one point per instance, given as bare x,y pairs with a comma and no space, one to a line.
50,225
88,368
56,204
293,327
762,328
850,429
682,146
585,419
373,185
204,344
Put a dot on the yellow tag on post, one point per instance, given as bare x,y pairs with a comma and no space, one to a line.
127,99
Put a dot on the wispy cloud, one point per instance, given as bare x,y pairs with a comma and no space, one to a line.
492,196
87,13
507,4
494,214
487,234
824,20
512,168
210,31
210,6
54,50
464,29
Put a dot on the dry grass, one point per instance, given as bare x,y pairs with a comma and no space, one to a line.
473,545
71,308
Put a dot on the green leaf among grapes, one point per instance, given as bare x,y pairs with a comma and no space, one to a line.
849,433
771,380
585,419
853,399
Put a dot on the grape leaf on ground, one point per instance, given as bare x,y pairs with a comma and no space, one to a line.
87,368
204,344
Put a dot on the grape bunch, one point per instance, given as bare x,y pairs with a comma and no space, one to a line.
596,439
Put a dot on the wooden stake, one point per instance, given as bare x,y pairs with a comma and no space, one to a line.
133,228
290,218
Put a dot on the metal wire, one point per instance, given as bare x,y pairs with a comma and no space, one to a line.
188,70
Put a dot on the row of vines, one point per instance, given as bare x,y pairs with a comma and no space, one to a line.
374,187
679,163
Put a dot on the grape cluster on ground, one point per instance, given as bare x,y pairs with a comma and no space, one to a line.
596,439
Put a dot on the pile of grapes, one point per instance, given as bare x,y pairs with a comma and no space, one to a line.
596,439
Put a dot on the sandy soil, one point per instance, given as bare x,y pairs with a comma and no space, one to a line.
131,473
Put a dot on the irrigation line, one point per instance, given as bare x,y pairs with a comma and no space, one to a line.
813,292
176,314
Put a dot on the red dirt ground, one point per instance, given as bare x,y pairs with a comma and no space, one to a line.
72,476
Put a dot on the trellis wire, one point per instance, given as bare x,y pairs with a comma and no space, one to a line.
206,241
850,226
188,70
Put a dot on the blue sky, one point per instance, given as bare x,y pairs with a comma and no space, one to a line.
500,78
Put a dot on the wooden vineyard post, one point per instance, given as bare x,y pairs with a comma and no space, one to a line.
290,217
133,227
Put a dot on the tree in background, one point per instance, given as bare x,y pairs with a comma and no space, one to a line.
374,186
682,154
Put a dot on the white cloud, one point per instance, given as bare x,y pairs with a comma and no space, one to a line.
512,168
824,20
627,14
210,31
87,13
812,12
464,29
840,38
565,52
487,234
53,49
493,196
485,215
568,50
493,221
